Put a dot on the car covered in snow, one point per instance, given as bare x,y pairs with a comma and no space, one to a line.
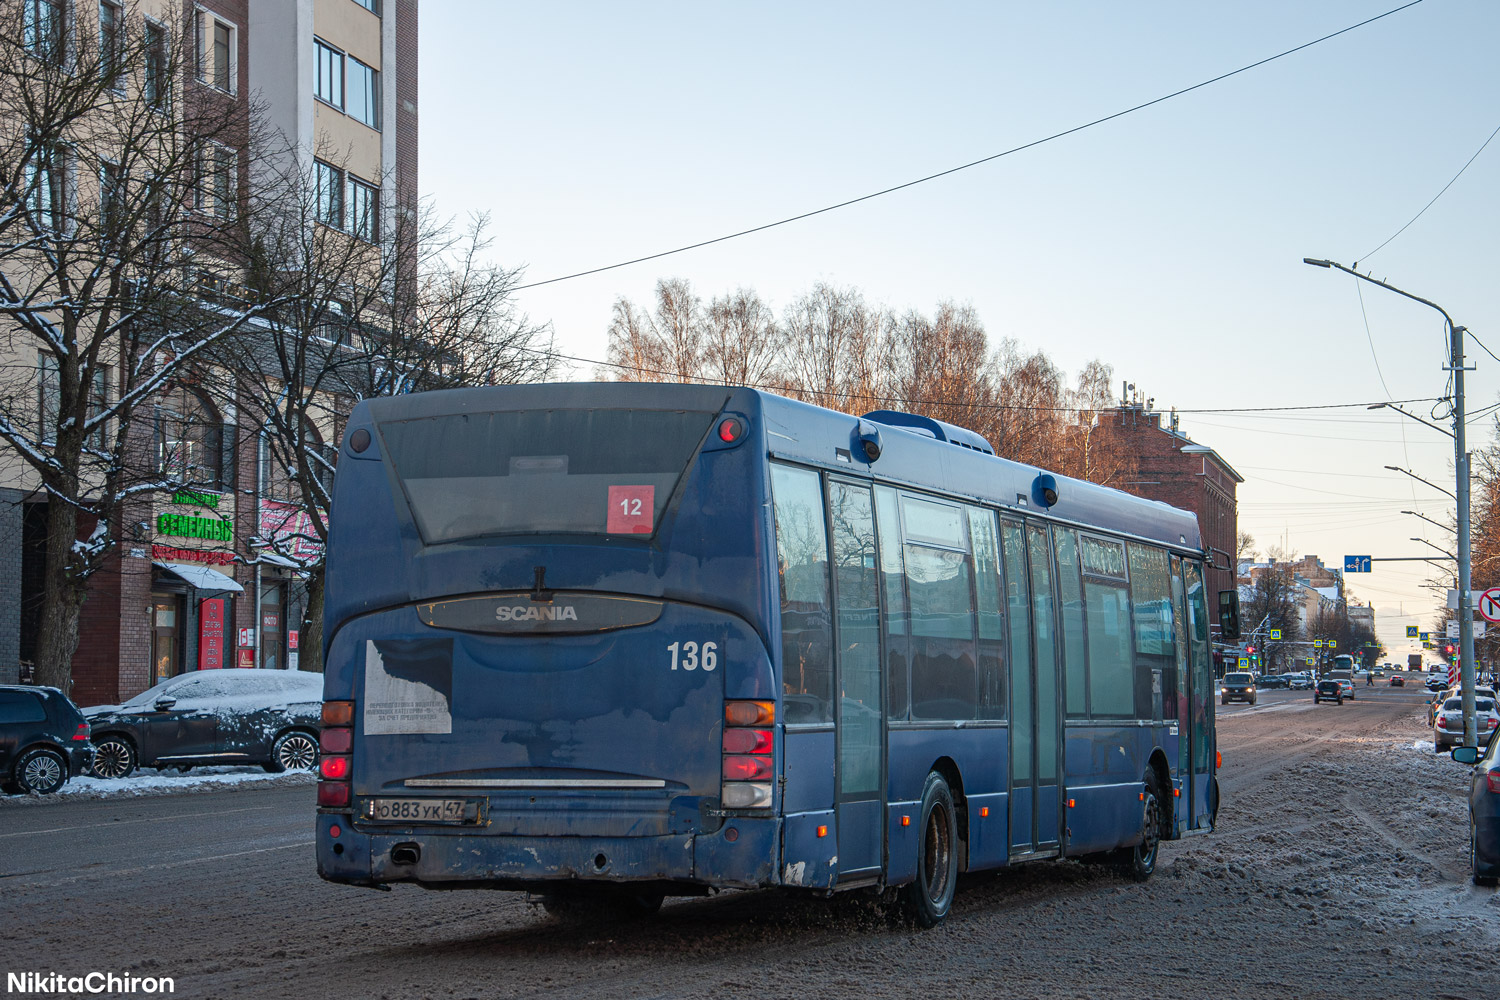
233,716
44,739
1484,811
1448,724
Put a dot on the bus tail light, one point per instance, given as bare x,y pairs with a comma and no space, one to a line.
749,754
335,767
746,795
747,768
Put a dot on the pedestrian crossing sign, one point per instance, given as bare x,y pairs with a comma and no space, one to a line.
1275,634
1412,630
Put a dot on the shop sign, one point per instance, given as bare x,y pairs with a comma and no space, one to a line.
290,531
246,658
247,638
211,634
291,639
270,622
192,498
170,553
214,529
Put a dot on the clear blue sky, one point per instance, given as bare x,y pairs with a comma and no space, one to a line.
1168,242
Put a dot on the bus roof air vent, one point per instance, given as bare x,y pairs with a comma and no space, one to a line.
945,432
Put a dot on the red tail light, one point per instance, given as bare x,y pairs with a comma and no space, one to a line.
748,741
83,731
747,768
1492,778
334,768
333,794
1442,722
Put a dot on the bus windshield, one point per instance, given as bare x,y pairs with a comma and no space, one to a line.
588,471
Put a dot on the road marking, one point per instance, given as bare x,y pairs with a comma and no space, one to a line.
164,864
148,819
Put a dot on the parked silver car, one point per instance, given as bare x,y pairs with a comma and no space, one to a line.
1448,728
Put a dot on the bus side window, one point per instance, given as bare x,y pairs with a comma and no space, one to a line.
1155,642
1075,672
1178,674
894,618
942,611
991,613
806,625
1106,598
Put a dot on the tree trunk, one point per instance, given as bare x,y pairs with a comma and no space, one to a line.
63,593
312,624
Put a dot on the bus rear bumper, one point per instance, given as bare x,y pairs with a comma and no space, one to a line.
454,859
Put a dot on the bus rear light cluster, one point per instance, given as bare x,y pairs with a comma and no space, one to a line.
335,765
749,761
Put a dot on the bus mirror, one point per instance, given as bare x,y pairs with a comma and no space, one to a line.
869,440
1229,616
1044,491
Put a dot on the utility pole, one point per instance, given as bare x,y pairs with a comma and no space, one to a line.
1456,367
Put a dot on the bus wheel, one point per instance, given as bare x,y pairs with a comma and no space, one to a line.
1139,862
587,904
930,897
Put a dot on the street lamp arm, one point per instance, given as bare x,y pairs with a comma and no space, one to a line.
1408,413
1377,281
1408,472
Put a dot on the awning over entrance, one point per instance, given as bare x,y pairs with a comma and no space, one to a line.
201,577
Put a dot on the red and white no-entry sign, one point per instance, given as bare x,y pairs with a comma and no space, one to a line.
1489,605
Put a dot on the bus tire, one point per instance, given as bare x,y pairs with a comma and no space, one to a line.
1139,862
930,896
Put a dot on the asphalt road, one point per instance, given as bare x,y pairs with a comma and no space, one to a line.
1338,870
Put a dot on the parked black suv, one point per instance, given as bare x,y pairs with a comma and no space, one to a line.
231,716
1237,687
44,739
1329,691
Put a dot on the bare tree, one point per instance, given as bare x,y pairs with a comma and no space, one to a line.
665,345
1244,547
1088,449
742,342
833,349
115,184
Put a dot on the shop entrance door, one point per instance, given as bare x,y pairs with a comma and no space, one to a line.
272,646
166,637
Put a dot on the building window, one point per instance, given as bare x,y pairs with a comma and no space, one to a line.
216,52
189,438
111,197
363,86
330,182
157,85
111,39
215,187
373,6
45,177
42,29
48,397
276,480
364,210
98,401
329,77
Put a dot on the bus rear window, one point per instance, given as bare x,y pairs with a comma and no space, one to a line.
469,475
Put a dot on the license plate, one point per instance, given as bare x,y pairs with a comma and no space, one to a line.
422,810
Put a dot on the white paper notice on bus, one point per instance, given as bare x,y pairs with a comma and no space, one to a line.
408,687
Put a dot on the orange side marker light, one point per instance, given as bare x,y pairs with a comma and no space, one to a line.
906,821
1072,803
984,811
822,831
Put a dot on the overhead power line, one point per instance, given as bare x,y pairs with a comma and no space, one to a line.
1435,197
972,163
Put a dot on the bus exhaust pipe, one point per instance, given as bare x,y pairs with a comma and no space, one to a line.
406,854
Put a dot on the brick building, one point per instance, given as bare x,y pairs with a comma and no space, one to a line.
336,79
1174,469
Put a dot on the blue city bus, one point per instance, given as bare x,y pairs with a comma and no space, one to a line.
607,642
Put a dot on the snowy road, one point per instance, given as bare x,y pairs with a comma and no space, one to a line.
1338,871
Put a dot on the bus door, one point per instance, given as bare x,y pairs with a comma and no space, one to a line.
1199,724
1035,722
860,716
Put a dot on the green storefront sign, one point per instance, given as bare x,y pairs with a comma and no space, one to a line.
214,529
192,498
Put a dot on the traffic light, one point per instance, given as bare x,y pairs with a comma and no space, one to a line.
1448,649
1250,650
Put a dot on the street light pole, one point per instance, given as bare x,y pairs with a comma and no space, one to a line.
1408,472
1461,495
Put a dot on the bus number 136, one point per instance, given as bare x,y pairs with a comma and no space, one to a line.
687,655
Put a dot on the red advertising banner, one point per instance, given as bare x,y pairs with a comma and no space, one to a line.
291,639
246,658
171,553
211,633
290,530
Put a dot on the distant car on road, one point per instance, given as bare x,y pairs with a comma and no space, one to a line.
1484,811
1237,687
234,716
1300,681
1345,677
1329,691
1397,681
1436,682
44,739
1448,723
1270,681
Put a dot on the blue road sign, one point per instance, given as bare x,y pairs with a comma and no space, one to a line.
1412,630
1356,564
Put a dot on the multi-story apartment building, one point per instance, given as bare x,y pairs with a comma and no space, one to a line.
192,584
